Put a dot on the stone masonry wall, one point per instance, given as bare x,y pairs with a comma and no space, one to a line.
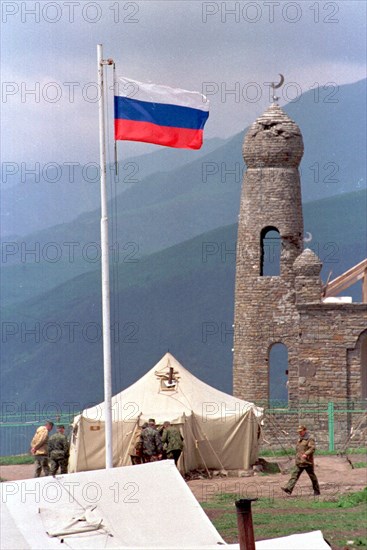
327,332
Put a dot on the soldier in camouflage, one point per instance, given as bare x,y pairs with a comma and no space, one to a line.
304,461
151,443
136,445
172,441
58,451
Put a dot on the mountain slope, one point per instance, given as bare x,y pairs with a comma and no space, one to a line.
332,121
173,206
50,193
179,299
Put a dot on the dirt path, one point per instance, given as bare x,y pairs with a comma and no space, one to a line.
12,473
335,474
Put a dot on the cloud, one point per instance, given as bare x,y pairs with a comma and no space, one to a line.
234,47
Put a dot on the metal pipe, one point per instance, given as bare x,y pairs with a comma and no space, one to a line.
170,376
246,537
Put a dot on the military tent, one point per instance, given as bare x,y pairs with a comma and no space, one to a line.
219,431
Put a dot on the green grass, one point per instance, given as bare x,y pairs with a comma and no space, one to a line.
16,459
360,465
352,499
287,452
280,452
341,520
352,451
359,542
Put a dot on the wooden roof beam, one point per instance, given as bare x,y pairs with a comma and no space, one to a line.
348,279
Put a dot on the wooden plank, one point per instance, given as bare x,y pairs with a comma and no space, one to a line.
347,279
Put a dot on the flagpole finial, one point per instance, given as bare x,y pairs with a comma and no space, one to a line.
275,98
108,61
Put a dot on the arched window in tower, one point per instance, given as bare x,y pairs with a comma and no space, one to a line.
270,243
278,375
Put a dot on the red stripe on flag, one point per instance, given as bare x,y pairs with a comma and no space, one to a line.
182,138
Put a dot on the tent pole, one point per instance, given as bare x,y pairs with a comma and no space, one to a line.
211,446
197,446
132,435
106,321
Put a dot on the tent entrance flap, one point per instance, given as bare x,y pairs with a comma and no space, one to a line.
205,448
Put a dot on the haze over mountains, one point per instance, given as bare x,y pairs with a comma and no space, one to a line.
332,120
189,195
179,299
173,238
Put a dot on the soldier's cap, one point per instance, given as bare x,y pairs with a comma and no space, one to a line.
61,426
151,420
301,428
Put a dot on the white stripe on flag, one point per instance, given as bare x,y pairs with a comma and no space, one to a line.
156,93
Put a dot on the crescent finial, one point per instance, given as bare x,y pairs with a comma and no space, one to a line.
280,83
275,86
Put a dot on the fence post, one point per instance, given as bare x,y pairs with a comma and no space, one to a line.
330,412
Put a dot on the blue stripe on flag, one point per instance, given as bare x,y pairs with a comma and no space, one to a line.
159,113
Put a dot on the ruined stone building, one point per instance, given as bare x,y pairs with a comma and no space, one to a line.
325,340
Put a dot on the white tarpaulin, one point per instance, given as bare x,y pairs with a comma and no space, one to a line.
145,507
219,430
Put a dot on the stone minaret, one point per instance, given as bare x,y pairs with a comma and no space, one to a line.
265,306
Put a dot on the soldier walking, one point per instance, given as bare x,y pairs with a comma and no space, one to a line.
58,451
151,442
172,441
39,449
305,449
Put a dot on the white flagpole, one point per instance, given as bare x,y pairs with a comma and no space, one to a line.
106,321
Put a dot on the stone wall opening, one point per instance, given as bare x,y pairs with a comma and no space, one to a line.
278,376
270,243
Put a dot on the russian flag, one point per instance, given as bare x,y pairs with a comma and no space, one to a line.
159,114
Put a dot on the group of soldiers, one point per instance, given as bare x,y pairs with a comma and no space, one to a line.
151,443
50,453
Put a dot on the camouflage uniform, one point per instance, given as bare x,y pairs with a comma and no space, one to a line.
172,443
152,444
58,451
136,448
39,442
305,446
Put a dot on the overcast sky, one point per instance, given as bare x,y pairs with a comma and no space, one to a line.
214,47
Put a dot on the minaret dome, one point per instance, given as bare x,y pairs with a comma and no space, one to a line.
273,140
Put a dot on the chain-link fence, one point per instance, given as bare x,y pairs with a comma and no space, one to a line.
336,426
17,431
